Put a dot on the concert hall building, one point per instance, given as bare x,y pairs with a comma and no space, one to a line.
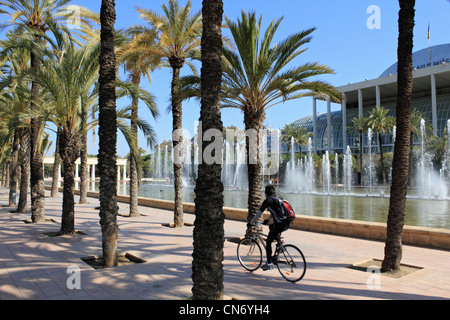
431,96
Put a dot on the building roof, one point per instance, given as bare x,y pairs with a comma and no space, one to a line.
388,85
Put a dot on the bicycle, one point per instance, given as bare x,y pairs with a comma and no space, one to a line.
289,259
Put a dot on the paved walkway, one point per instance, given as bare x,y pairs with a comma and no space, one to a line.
34,266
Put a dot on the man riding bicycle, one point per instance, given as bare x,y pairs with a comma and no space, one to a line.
278,226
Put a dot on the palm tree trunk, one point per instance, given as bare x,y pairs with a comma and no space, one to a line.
6,173
396,216
69,147
134,209
68,203
253,124
56,169
68,206
108,135
83,170
36,159
207,268
14,168
24,154
177,114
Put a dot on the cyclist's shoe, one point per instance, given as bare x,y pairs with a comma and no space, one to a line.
267,266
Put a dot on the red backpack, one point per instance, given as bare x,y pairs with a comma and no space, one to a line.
285,211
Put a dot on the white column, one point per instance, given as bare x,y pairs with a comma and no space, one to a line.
344,122
434,104
378,96
118,173
76,172
329,129
315,139
60,174
360,102
124,173
93,172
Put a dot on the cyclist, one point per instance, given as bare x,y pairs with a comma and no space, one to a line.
278,225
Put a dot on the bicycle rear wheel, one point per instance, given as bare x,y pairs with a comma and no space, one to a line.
291,263
249,254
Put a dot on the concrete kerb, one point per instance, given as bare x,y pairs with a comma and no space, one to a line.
422,236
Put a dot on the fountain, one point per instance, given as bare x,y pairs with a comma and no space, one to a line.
445,171
240,167
336,172
429,182
309,168
310,197
158,171
369,170
348,171
326,174
166,163
299,174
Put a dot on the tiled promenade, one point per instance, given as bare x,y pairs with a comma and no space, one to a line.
34,266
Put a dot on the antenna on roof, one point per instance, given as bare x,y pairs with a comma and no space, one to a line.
429,39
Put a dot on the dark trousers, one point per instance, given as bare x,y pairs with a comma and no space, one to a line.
275,230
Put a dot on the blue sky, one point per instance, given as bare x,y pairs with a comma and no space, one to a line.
342,41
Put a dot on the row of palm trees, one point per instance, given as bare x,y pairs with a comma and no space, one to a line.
67,98
53,75
382,124
255,76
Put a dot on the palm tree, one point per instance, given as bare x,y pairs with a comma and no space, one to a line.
360,125
382,124
439,147
287,133
257,77
397,201
207,268
14,100
66,80
137,68
179,39
108,135
301,137
37,17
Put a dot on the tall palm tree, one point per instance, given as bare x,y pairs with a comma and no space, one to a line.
397,201
108,135
179,39
381,123
66,80
137,68
258,77
37,17
15,100
359,124
207,268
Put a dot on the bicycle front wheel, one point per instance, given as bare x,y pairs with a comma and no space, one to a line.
291,263
249,254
